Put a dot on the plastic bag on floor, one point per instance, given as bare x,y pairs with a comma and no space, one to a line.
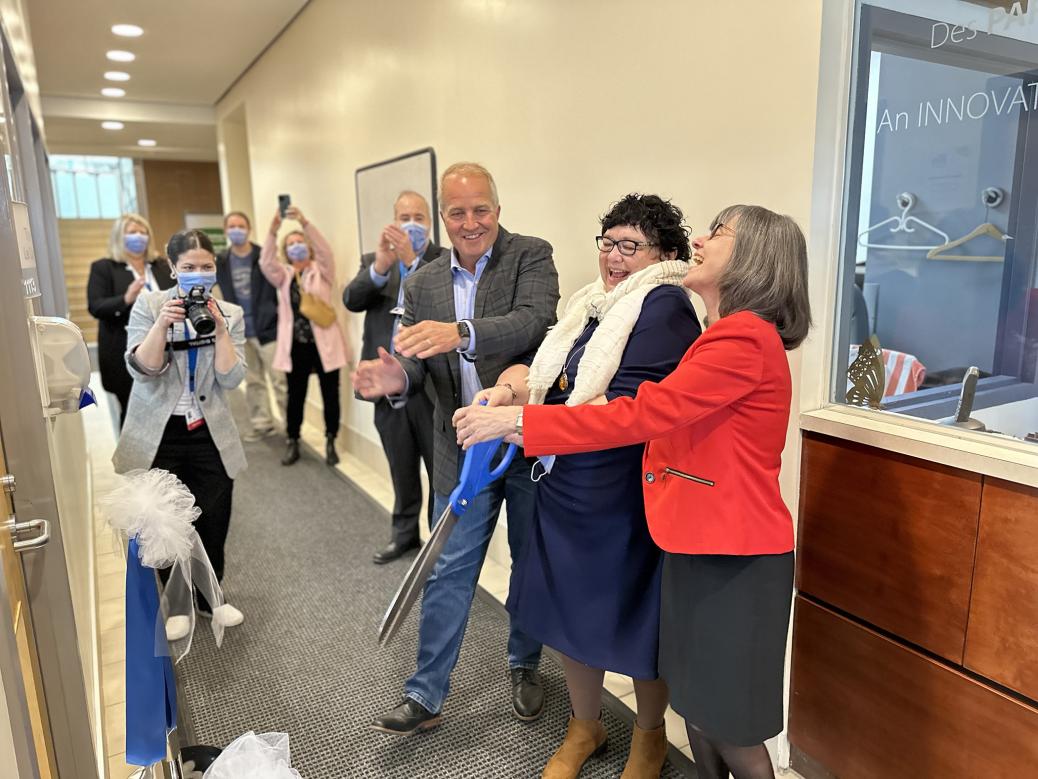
254,756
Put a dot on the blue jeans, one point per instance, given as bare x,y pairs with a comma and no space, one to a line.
448,594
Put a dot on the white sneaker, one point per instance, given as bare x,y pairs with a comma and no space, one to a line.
177,627
228,616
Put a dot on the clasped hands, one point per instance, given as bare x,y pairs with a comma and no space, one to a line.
393,245
478,423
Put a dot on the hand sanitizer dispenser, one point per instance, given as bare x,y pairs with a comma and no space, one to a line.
62,364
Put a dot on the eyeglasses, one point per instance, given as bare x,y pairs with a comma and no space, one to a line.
716,229
626,246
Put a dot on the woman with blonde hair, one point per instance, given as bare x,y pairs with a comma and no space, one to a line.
132,266
309,337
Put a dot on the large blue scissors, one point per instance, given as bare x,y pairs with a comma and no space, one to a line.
476,474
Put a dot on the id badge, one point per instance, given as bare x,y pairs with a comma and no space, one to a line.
397,311
194,417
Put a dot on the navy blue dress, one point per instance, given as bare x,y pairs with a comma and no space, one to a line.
587,581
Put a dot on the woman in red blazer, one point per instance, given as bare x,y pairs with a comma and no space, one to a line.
715,430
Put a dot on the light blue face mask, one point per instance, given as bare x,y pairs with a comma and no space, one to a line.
237,235
418,233
196,279
135,243
297,252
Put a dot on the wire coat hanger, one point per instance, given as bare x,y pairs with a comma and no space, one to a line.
903,223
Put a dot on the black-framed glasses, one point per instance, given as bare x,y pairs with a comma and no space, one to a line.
626,246
716,229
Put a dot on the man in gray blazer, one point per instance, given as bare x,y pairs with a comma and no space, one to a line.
468,315
406,433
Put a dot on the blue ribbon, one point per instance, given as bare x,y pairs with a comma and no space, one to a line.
151,697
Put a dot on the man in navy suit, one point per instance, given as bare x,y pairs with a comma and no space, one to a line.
407,432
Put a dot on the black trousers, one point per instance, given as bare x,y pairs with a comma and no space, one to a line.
193,458
306,360
407,438
122,394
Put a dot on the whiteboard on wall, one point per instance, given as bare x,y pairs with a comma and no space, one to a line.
378,186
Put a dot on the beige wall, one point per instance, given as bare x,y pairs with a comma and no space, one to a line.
232,146
571,105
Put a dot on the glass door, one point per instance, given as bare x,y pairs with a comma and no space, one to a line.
40,657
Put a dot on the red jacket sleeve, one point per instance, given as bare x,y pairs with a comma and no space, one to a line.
725,365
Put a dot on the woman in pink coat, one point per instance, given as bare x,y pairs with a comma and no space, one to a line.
304,346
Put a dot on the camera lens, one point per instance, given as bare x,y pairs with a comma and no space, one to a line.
198,312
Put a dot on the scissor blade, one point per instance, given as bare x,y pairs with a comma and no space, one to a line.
416,577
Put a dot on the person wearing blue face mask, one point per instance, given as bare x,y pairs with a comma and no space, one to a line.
242,282
407,432
114,283
309,339
178,418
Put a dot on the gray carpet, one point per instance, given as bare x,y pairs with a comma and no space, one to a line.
306,662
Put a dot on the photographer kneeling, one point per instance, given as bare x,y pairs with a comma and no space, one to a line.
185,353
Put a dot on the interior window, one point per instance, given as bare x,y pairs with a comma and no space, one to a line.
939,291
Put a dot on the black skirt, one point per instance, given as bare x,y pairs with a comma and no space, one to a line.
723,626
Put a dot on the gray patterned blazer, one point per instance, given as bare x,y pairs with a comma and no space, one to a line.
154,396
516,299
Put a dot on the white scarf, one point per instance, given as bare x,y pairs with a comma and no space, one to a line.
617,310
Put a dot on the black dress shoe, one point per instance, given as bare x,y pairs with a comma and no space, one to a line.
393,550
291,452
330,455
527,694
406,718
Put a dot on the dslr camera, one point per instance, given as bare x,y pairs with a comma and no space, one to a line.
197,308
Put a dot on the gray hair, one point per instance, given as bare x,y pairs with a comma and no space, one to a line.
469,169
115,241
410,193
767,272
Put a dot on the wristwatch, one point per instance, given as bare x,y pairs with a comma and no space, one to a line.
466,338
519,423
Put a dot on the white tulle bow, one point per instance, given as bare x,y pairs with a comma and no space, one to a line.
157,509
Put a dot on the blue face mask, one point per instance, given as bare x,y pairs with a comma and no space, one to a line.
135,243
237,235
196,279
297,252
418,233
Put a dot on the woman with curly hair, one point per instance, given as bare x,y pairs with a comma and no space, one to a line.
587,582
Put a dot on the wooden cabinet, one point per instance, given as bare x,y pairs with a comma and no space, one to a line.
866,706
1002,643
915,641
889,539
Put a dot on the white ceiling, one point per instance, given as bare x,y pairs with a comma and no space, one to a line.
190,53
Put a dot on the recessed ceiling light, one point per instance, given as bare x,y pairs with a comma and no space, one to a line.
116,75
116,55
112,125
127,30
146,142
113,92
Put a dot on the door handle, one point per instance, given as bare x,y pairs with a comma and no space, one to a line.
16,529
7,483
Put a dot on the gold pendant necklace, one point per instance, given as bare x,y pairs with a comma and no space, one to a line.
563,378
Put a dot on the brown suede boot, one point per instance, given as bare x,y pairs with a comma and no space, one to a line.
584,738
648,753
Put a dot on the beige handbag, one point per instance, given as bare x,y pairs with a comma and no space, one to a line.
313,308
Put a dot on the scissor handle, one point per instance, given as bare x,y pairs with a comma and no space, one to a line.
476,472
